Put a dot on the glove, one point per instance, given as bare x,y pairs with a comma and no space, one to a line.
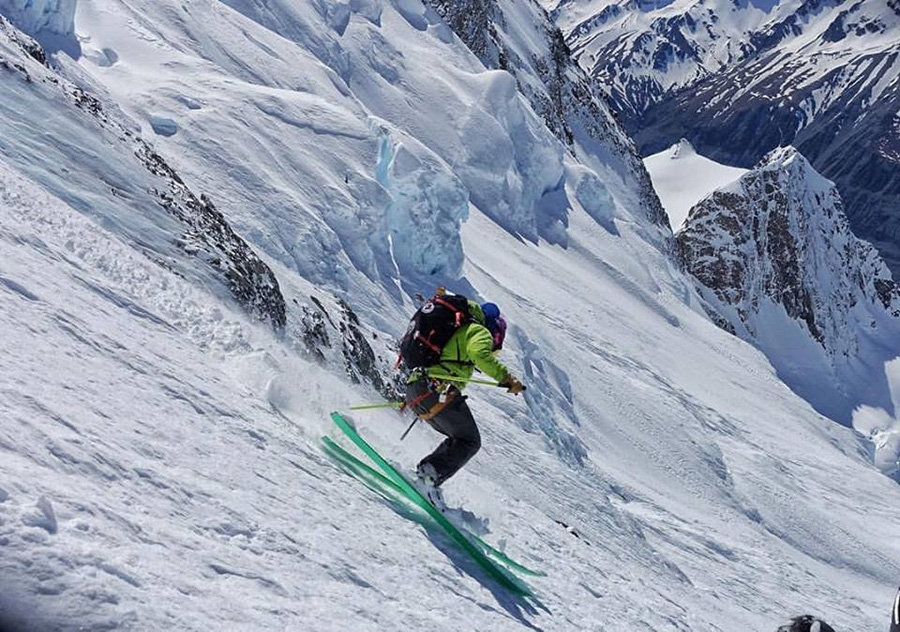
512,385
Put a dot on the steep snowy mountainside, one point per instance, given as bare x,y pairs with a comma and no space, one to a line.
88,153
833,92
146,482
776,257
388,189
640,51
739,81
644,53
520,38
682,177
168,455
163,468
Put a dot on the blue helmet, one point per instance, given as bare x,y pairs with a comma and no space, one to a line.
490,310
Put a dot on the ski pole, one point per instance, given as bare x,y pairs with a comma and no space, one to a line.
403,436
452,378
374,406
470,380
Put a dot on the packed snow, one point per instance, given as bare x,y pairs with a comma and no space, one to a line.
161,467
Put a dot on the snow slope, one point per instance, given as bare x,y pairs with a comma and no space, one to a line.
175,448
160,464
682,177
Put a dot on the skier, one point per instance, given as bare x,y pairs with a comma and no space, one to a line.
439,400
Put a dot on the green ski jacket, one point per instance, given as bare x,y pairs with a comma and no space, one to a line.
469,348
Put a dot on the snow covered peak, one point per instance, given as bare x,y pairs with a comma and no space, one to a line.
797,168
682,149
741,78
780,267
682,178
796,177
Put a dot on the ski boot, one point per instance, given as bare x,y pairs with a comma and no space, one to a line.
426,477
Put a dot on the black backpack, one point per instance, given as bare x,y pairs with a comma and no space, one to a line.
431,327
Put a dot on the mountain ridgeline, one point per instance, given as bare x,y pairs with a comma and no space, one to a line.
738,80
190,235
522,40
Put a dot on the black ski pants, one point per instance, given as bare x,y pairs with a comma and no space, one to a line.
455,421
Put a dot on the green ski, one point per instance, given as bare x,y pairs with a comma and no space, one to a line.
504,577
370,475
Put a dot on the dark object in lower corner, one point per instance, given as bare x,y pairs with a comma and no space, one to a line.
895,614
806,623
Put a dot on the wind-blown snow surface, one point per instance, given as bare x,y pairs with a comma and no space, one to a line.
682,177
160,467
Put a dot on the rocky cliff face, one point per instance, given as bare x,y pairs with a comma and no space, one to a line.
778,265
334,336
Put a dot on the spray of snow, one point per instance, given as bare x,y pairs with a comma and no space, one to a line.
882,426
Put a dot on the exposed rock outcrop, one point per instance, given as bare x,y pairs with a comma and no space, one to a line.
778,265
742,78
202,234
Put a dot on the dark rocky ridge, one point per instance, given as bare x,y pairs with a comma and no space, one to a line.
774,252
853,142
205,234
760,240
684,74
334,337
